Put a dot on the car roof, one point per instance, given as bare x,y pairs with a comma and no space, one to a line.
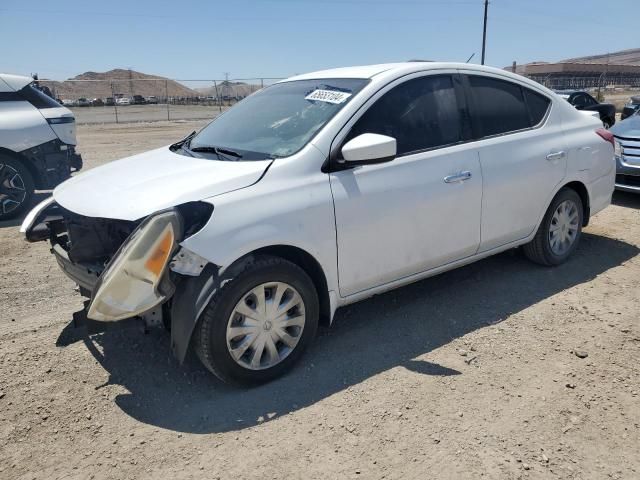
12,83
400,68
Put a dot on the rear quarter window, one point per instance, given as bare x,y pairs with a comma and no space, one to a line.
37,98
537,104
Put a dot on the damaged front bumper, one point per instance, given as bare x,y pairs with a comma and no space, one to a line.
121,266
85,276
130,269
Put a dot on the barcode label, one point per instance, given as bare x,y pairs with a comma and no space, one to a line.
329,96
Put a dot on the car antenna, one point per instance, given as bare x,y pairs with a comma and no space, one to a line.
469,59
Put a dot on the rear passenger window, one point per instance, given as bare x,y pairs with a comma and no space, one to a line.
420,114
37,98
538,106
499,106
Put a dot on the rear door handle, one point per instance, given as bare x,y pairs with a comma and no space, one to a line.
458,177
555,155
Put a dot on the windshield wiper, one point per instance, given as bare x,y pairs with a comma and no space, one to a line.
182,142
220,152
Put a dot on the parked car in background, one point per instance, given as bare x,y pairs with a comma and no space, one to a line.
37,144
68,103
110,101
631,108
627,152
97,102
322,190
151,100
83,102
123,101
584,101
138,100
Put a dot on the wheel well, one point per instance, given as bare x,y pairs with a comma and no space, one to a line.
311,267
37,180
581,190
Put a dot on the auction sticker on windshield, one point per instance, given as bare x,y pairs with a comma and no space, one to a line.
329,96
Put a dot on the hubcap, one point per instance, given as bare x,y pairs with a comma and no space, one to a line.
265,325
12,190
563,230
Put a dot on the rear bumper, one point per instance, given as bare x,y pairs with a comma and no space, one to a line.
53,163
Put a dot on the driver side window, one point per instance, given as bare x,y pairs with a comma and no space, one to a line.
420,114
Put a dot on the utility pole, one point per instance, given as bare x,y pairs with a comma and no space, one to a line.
131,89
484,29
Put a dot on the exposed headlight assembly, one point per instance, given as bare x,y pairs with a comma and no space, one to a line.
134,281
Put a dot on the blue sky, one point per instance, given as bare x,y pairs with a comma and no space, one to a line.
275,38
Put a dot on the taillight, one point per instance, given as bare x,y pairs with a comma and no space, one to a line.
607,136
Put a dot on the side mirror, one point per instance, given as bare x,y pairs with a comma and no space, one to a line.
369,148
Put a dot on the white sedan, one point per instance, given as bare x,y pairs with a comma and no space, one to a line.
320,191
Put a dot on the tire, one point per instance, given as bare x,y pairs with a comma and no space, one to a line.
16,188
542,249
272,276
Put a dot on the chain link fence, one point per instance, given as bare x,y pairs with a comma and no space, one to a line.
149,99
152,99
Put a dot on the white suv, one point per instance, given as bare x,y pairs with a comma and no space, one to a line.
320,191
37,143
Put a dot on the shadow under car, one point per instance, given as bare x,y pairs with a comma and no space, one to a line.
366,338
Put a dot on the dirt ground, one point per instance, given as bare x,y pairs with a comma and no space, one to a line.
502,369
145,113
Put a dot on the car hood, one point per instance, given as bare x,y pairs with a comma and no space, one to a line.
137,186
627,128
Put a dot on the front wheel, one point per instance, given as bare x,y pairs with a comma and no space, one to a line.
560,230
16,188
258,324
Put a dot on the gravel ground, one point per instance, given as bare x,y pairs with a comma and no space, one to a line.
501,369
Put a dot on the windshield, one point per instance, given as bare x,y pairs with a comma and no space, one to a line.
276,121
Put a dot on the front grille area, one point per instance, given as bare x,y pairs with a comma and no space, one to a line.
631,148
630,180
92,240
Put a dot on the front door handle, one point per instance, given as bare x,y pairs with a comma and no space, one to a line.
555,155
458,177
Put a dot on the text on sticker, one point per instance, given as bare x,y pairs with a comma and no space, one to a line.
329,96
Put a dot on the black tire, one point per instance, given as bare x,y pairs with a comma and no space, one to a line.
539,249
210,335
16,188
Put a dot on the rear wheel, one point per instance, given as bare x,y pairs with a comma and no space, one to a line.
258,323
560,230
16,188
